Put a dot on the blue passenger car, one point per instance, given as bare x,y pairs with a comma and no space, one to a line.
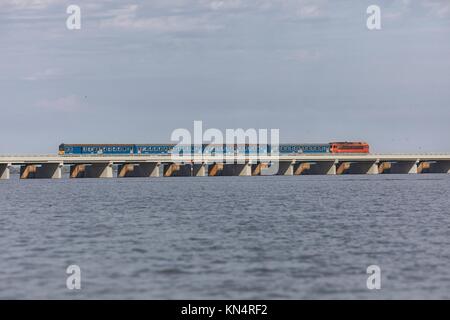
153,149
304,148
96,149
213,149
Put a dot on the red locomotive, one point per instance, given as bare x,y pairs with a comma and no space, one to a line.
349,147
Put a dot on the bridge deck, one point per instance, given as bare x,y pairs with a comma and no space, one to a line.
39,159
102,166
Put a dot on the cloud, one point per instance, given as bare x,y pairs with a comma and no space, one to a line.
69,103
202,15
306,9
436,8
127,18
225,5
303,9
26,4
439,8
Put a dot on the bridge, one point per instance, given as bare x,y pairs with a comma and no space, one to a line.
104,166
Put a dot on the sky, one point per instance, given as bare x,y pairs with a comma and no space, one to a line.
137,70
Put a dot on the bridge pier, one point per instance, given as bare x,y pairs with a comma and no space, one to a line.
199,170
423,167
5,171
126,170
95,170
135,170
77,171
43,171
402,167
215,169
361,168
150,169
28,171
170,169
373,168
301,168
244,169
343,167
49,171
286,168
384,167
178,170
99,170
323,167
257,168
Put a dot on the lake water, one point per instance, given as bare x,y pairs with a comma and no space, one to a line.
226,237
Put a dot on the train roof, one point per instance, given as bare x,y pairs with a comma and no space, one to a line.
350,142
173,144
97,144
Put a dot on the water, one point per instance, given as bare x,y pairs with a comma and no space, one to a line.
226,237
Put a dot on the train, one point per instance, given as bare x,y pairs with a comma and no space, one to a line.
236,149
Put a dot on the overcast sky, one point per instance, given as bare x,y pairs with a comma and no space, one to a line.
137,70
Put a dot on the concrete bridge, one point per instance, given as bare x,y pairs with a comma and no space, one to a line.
102,166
